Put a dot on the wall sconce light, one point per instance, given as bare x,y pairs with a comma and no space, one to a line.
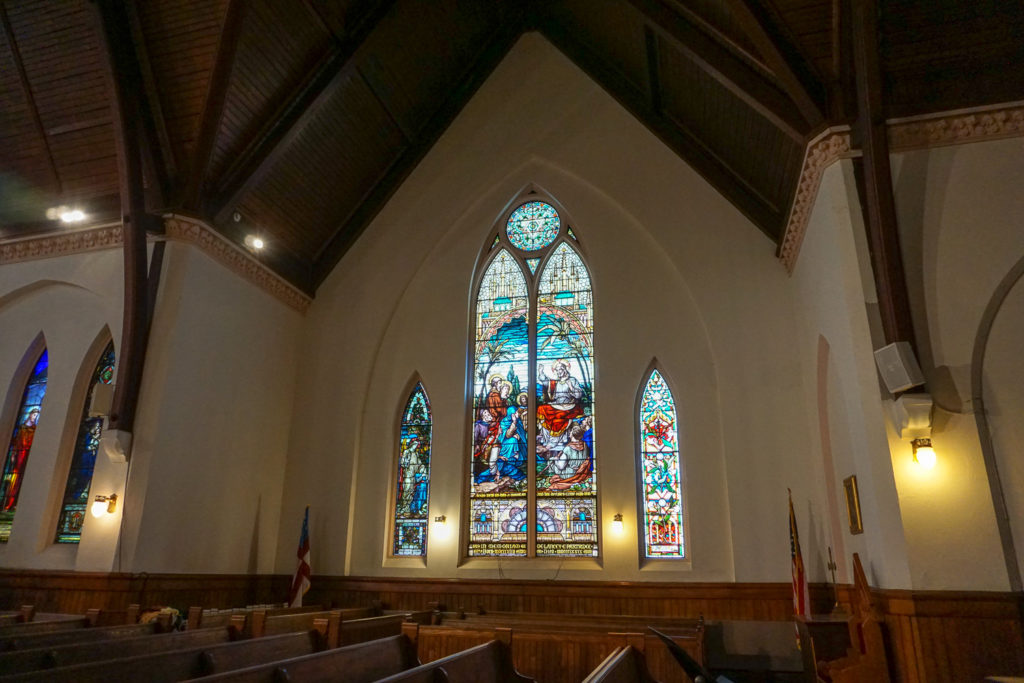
104,505
441,527
924,454
617,524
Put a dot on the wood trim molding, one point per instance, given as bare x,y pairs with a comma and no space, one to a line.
180,228
905,135
825,149
195,231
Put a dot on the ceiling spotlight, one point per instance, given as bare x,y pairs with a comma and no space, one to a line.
255,243
236,217
72,216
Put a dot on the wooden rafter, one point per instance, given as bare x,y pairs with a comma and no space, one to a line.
684,142
494,50
213,108
325,78
724,67
161,163
874,177
125,82
29,99
785,61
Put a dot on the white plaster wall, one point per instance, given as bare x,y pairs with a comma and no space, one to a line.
828,283
72,300
1004,405
205,484
959,210
678,274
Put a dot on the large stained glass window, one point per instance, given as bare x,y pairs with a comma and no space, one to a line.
660,470
533,490
83,460
412,492
21,444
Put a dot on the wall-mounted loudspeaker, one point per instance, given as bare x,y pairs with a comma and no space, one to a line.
898,367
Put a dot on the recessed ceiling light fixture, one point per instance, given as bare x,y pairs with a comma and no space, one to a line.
66,214
255,243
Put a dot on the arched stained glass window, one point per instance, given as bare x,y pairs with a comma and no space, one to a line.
533,490
661,481
412,492
83,460
21,444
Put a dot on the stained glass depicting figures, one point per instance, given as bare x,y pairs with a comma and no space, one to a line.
412,491
21,443
566,480
533,226
500,420
83,460
659,450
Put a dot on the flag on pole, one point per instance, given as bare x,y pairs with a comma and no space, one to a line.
301,582
801,592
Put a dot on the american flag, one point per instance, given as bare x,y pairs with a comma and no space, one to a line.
801,593
301,582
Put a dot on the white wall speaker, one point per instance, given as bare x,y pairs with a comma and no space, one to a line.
898,367
102,399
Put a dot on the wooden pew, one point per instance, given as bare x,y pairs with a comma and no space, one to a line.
200,618
490,661
179,665
36,659
47,624
623,665
865,660
362,663
77,635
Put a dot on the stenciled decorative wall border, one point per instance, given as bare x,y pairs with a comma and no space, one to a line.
905,135
180,228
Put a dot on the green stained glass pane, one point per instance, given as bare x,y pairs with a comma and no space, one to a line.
533,226
659,452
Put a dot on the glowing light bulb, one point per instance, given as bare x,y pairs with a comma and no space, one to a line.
924,454
617,524
72,216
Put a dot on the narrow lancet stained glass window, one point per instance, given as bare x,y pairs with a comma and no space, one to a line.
662,487
566,485
83,461
501,356
532,226
412,495
21,444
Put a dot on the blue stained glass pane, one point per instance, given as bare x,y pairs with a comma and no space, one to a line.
533,263
659,451
83,461
566,483
21,444
412,493
532,226
498,475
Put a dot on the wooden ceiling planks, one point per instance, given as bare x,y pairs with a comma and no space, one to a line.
320,178
182,38
279,44
808,24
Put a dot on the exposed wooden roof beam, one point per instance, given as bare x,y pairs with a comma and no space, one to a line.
723,66
494,50
125,82
266,148
782,58
160,160
213,108
30,101
682,141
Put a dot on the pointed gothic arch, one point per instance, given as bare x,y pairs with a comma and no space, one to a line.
410,486
22,412
662,519
532,486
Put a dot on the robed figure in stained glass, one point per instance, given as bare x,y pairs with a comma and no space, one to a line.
21,444
412,488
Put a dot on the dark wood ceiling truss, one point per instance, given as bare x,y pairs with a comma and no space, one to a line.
784,59
304,116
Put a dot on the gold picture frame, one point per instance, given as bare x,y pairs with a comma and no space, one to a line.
853,504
